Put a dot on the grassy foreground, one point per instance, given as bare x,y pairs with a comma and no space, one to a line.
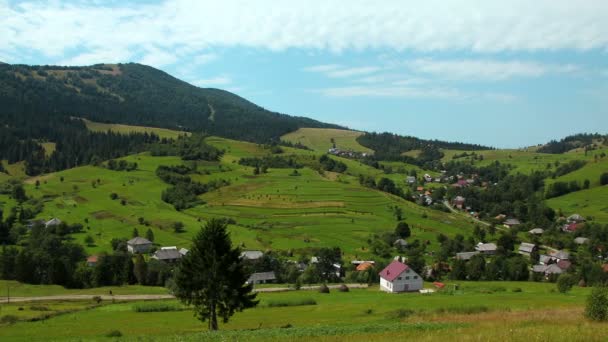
478,311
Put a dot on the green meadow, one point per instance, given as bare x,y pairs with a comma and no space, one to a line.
320,139
589,203
476,311
125,129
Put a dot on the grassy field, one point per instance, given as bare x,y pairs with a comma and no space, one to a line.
319,139
592,202
125,129
273,211
17,289
477,311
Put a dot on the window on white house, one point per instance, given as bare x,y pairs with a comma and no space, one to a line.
407,278
399,278
415,277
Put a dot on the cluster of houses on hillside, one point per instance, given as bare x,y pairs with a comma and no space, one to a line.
346,153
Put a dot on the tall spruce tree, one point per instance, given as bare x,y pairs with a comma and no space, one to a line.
212,276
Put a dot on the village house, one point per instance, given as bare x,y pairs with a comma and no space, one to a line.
576,218
262,278
581,240
139,245
458,202
536,231
252,255
359,262
364,266
92,260
411,180
399,277
466,255
512,222
486,248
560,255
527,248
400,244
427,178
53,222
547,270
167,254
183,251
570,227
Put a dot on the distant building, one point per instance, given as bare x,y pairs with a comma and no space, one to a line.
53,223
512,222
167,254
398,277
576,218
536,231
527,248
139,245
581,240
364,266
466,255
252,255
411,180
262,278
458,202
400,244
92,260
486,248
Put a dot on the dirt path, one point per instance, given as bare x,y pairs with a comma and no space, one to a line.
4,300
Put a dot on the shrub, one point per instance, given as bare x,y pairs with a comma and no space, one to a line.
597,304
297,302
157,307
565,282
8,319
343,288
604,178
368,311
401,313
323,289
114,333
97,299
467,310
39,308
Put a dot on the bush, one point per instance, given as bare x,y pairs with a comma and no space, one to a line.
323,289
157,307
343,288
604,178
401,313
467,310
39,308
97,299
597,304
286,303
114,333
368,311
8,319
565,282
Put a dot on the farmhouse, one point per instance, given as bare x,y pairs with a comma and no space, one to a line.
486,248
252,255
398,277
167,254
536,231
411,180
428,178
262,278
364,266
465,255
547,270
458,202
52,223
560,255
576,218
400,244
183,251
512,222
581,240
138,245
92,260
526,248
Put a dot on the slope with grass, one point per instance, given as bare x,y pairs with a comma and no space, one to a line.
589,203
320,139
479,311
126,129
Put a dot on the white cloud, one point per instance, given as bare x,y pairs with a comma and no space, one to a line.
211,82
323,68
339,71
485,69
189,27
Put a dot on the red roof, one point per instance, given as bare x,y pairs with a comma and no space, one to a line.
439,285
92,258
364,266
392,271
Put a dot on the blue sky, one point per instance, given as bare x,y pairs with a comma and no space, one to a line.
505,74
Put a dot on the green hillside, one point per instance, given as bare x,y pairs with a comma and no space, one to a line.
589,203
322,139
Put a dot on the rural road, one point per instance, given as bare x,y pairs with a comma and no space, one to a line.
4,300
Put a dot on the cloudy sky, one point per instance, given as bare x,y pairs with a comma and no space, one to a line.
503,73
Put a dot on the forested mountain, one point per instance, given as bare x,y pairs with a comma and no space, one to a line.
138,95
583,140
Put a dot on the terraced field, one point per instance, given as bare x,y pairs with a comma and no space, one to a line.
320,139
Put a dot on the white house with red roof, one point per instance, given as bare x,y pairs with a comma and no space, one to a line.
399,277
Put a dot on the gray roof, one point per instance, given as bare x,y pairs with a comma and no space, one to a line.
261,276
512,222
183,251
544,259
537,231
561,255
53,222
581,240
139,241
400,242
252,255
485,247
167,254
465,255
576,218
526,247
547,269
